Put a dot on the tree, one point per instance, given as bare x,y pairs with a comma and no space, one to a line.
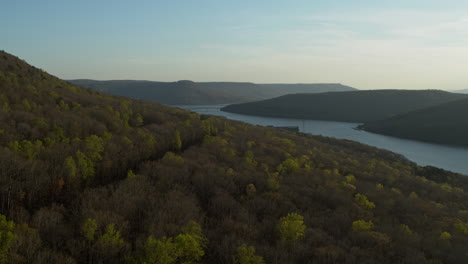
246,255
273,181
88,229
70,165
445,236
189,248
461,227
6,238
249,159
190,243
178,140
405,229
137,120
109,245
185,248
172,159
291,227
111,237
94,147
362,200
194,229
131,174
289,165
361,225
162,251
86,166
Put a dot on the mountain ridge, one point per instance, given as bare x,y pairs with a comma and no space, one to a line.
349,106
201,93
443,124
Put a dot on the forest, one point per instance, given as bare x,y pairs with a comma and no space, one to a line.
442,124
87,177
350,106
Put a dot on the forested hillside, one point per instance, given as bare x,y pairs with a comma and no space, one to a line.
87,177
203,93
353,106
444,124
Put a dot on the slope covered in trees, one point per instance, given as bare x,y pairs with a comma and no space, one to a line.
354,106
191,93
87,177
444,124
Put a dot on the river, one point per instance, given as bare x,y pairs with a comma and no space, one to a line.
446,157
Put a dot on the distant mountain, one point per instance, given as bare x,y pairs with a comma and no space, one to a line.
353,106
465,91
444,124
191,93
278,89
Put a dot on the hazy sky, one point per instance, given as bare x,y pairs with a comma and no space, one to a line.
408,44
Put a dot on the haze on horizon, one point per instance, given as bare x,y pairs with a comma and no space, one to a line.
364,44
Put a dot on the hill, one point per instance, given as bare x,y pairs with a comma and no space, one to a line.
443,124
354,106
465,91
87,177
203,93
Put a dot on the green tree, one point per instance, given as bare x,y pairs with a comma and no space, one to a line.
195,230
94,147
190,243
289,165
6,238
405,229
189,248
362,200
249,159
111,237
246,255
63,106
162,251
26,148
88,229
86,166
461,227
445,236
137,120
350,178
361,225
178,140
173,159
130,174
70,166
291,227
273,181
185,248
109,245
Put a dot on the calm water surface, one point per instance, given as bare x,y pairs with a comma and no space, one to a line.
446,157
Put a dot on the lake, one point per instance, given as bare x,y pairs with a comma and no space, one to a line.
446,157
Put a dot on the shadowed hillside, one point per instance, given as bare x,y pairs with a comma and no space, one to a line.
444,124
354,106
86,177
203,93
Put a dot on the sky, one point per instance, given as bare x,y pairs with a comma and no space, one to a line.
411,44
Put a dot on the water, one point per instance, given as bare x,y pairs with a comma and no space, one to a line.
446,157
